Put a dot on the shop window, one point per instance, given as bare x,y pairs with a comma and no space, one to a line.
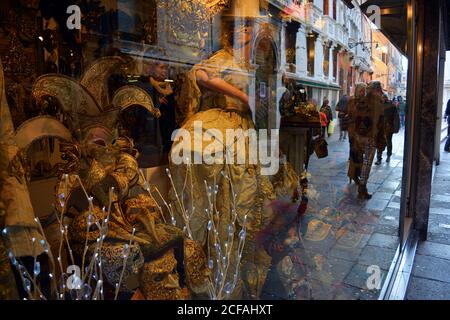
96,112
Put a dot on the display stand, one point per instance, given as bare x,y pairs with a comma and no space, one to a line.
293,143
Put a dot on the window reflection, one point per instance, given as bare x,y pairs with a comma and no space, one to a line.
105,103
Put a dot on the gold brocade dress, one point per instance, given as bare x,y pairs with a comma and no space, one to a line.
220,112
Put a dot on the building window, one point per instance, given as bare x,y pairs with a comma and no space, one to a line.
310,48
326,8
335,63
334,10
326,60
384,58
291,43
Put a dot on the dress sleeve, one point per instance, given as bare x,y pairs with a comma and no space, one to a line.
216,66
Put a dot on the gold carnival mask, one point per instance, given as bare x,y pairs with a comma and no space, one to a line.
197,271
159,279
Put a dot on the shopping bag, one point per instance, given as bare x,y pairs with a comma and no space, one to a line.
321,148
331,127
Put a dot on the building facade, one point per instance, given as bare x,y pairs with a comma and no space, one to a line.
331,44
388,65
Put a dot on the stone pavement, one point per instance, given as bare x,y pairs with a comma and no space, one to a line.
431,272
326,253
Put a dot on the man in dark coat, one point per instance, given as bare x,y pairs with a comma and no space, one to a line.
342,109
391,126
447,117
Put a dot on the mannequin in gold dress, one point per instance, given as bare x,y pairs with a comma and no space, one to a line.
216,94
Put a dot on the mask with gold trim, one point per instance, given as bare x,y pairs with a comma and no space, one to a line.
160,280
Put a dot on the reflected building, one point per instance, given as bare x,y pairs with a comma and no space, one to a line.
388,65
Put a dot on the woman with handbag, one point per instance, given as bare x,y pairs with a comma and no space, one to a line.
326,109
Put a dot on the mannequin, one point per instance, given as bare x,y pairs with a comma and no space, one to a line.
216,94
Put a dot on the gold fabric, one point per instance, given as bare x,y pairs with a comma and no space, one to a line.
8,288
19,217
286,182
194,99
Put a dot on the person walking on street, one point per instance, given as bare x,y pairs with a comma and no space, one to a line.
342,109
328,112
391,126
323,123
355,103
365,126
394,101
447,117
402,110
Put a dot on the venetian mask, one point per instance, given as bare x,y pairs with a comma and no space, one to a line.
113,265
159,279
197,271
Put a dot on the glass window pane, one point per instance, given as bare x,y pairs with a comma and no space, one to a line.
262,139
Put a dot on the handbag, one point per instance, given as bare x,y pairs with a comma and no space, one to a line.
321,148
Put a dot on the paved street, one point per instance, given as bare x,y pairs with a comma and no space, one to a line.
328,253
431,272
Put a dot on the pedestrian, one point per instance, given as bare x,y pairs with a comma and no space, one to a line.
395,101
366,122
391,126
402,110
447,117
323,123
356,102
326,109
287,101
342,109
